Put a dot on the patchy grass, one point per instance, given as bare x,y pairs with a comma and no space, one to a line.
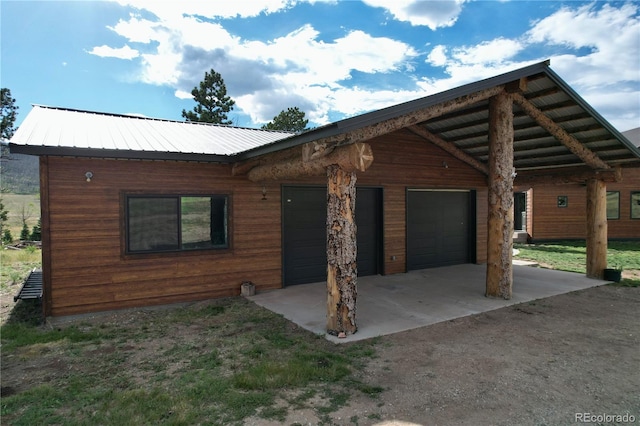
16,265
211,363
572,256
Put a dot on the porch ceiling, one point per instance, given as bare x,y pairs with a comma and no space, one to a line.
534,147
460,119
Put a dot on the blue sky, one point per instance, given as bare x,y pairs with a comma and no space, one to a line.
332,59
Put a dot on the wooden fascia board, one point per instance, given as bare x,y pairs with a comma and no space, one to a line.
450,148
572,144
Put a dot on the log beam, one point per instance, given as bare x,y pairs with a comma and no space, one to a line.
405,120
596,228
342,271
572,144
353,157
500,220
243,167
450,148
525,178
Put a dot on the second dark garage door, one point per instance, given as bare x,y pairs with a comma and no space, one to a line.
304,233
440,228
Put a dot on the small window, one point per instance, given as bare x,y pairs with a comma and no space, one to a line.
635,205
563,201
176,223
613,205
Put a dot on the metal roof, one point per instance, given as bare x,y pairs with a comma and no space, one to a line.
467,128
633,135
57,131
62,131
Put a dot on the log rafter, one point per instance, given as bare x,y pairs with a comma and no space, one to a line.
390,125
572,144
450,148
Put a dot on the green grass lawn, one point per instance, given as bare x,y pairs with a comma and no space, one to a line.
572,255
212,363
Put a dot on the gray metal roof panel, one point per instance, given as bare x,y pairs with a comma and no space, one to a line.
84,130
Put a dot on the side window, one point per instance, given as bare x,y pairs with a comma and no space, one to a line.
176,223
635,205
613,205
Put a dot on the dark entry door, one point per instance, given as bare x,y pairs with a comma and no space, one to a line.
304,233
520,211
438,228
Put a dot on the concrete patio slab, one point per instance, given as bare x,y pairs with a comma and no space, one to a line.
393,303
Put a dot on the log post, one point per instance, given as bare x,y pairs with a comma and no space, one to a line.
500,220
342,270
596,228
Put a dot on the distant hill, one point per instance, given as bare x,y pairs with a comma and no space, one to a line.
19,174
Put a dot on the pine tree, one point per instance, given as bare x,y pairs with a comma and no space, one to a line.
213,104
8,111
24,234
36,232
289,120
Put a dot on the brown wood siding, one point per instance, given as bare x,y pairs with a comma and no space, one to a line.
553,223
88,269
85,266
404,160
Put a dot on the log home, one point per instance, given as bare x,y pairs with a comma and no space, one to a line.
138,211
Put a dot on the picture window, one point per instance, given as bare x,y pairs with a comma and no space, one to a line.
176,223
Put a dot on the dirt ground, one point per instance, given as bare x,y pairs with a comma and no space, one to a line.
539,363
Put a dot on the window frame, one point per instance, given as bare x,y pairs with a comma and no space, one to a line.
636,193
179,250
618,208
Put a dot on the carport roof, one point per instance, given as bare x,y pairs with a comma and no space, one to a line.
464,127
467,128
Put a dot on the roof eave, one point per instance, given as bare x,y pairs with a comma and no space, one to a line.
117,153
394,111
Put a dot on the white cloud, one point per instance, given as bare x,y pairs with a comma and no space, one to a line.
599,56
488,52
432,14
124,52
610,35
174,10
594,47
438,56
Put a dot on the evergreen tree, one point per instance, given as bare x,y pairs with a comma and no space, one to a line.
213,104
9,110
7,238
289,120
36,232
24,234
5,232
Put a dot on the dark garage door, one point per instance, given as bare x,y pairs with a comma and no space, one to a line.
439,228
304,233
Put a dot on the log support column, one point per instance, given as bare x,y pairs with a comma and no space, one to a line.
500,221
596,228
342,271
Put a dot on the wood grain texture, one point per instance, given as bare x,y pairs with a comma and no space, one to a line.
85,268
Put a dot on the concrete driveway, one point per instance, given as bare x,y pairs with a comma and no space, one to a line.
393,303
